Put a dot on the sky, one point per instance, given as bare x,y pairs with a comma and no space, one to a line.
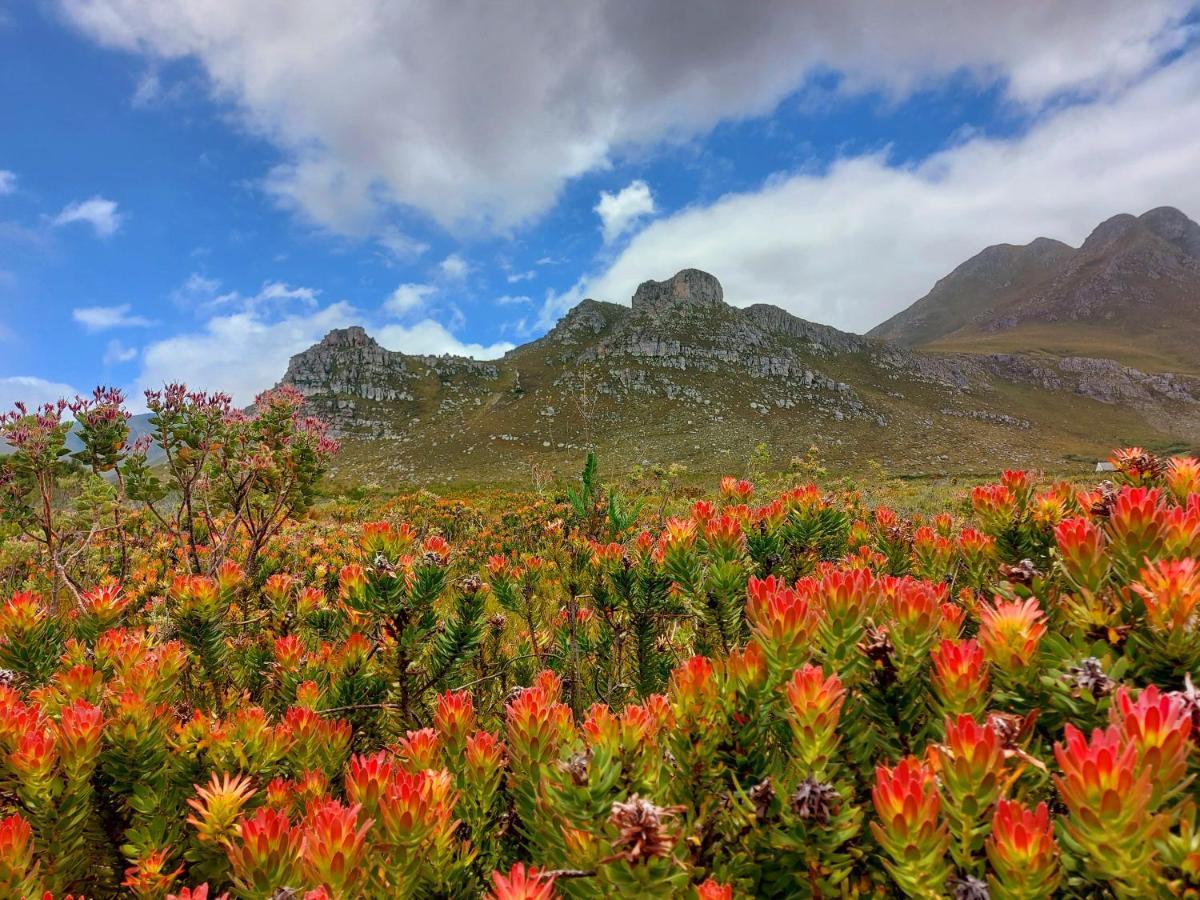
195,190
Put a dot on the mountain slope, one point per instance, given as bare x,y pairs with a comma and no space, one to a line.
1130,293
681,376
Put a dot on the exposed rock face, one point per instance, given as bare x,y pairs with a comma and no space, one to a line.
690,287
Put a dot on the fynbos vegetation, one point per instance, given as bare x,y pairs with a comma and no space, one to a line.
214,686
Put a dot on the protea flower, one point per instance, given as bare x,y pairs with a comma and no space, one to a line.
1081,552
1023,853
960,677
907,804
521,884
814,705
18,871
1010,632
1182,476
995,507
714,890
368,778
642,833
333,846
151,875
80,728
420,750
454,719
536,727
1135,527
1171,591
1159,727
267,853
970,765
1108,796
781,621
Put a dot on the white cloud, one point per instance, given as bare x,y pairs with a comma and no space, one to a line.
407,298
116,353
105,318
517,277
278,290
8,182
241,353
98,212
428,337
400,245
478,112
510,300
32,391
621,211
856,243
454,267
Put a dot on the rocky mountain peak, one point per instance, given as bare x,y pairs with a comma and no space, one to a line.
689,287
1172,225
354,336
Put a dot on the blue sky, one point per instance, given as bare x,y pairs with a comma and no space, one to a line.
197,189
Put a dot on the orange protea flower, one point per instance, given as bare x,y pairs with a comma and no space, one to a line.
1023,852
693,689
1182,476
454,718
723,537
714,890
814,705
437,550
35,756
352,582
151,876
736,490
970,765
781,620
229,576
521,884
420,750
199,892
1137,466
995,507
382,538
907,804
22,613
1158,725
105,603
267,853
80,727
1010,632
1171,591
1019,484
484,756
916,611
933,553
536,727
746,669
333,846
218,805
1181,530
1136,526
16,857
1081,551
960,677
289,652
368,778
1108,795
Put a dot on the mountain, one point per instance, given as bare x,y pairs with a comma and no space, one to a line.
679,375
1130,293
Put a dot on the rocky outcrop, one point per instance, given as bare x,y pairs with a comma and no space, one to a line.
689,287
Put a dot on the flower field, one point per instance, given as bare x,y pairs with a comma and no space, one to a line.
214,684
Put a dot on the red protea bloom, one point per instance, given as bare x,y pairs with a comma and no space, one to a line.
414,806
267,853
382,538
960,677
714,890
420,750
536,727
80,728
1171,591
199,892
1182,476
916,613
1081,551
152,875
1108,796
333,846
16,856
746,669
437,549
1159,726
483,755
352,581
723,537
278,588
35,756
995,507
454,718
1019,484
1010,632
781,620
933,553
521,884
907,804
289,652
1023,852
368,778
970,765
693,689
105,602
229,576
736,490
814,705
1181,530
1136,526
1137,466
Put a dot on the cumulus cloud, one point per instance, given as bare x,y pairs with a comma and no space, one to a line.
407,298
478,112
241,353
116,353
106,318
32,391
859,241
399,245
98,212
429,337
619,212
8,182
454,267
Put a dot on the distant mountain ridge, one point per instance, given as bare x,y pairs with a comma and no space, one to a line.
680,375
1130,292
